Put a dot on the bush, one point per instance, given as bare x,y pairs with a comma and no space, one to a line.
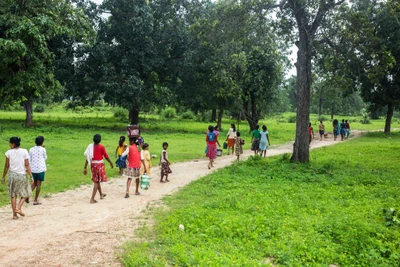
39,108
168,113
189,115
292,119
121,114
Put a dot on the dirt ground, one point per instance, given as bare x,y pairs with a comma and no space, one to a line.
66,230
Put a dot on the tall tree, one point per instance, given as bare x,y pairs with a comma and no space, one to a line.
304,17
26,56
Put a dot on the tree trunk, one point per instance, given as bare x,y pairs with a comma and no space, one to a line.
248,115
389,116
134,115
301,152
320,108
214,115
29,112
332,111
219,122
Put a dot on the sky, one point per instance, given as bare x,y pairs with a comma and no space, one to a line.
292,57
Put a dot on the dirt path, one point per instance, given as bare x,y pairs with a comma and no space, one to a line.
68,231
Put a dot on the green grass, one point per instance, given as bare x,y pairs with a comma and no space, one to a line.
67,134
269,210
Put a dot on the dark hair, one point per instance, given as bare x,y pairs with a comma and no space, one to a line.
233,127
264,127
237,134
133,140
320,121
216,127
211,128
309,124
97,139
257,127
165,143
121,140
39,140
16,141
145,145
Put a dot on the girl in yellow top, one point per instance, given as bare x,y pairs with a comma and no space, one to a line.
121,161
146,160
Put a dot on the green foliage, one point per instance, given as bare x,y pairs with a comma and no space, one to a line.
391,216
188,115
121,114
292,119
40,108
327,212
168,113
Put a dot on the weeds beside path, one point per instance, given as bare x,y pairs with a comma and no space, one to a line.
68,231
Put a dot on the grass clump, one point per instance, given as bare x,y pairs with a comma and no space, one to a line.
264,211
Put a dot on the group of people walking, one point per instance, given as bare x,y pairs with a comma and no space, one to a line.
342,129
19,163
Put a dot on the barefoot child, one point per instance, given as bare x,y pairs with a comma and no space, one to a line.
121,161
239,142
134,161
94,154
38,157
18,164
165,169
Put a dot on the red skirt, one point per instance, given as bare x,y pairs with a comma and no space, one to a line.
98,172
211,151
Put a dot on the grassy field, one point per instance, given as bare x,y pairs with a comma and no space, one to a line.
67,134
334,210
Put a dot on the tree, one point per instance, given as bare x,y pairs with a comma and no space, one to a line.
26,58
306,16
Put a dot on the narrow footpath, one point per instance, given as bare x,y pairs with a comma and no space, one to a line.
68,231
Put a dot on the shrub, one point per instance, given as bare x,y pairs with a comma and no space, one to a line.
39,108
188,115
121,114
292,119
168,113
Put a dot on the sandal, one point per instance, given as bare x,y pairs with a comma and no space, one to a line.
15,217
19,212
103,196
93,201
37,203
127,196
137,193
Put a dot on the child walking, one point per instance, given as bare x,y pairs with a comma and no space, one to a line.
17,162
264,141
94,154
239,142
165,169
146,163
38,157
121,161
133,167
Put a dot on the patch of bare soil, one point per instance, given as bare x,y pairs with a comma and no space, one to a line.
66,230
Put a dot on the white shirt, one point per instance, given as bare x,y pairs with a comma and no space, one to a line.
37,159
17,157
231,134
162,156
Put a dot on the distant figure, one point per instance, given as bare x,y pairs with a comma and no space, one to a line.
335,125
17,162
94,154
310,133
38,157
231,138
343,130
347,129
216,131
264,141
212,140
255,139
132,170
239,142
165,169
321,129
121,161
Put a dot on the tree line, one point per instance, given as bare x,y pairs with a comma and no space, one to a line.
227,56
